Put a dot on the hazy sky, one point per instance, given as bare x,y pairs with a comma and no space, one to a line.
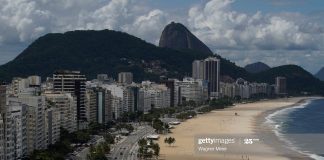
276,32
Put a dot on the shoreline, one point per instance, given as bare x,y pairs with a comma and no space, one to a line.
262,128
251,121
281,147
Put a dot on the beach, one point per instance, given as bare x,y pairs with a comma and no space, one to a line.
249,121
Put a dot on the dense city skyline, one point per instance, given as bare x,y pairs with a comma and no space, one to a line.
271,31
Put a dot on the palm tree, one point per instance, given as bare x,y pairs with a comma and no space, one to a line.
169,140
166,140
156,149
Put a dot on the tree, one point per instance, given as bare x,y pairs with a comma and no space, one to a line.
81,137
148,150
142,142
98,152
110,139
158,125
192,103
169,140
156,149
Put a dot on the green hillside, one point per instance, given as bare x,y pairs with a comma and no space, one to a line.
106,51
110,52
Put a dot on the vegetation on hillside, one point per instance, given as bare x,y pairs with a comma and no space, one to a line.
110,52
298,79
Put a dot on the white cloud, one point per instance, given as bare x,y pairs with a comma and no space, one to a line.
148,26
26,20
281,38
222,28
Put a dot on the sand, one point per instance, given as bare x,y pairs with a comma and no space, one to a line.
250,121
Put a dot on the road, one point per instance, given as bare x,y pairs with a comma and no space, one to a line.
85,151
127,149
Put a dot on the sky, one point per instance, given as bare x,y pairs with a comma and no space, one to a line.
276,32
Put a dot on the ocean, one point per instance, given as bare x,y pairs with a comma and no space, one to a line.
301,127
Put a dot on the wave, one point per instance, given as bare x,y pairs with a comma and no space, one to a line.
277,127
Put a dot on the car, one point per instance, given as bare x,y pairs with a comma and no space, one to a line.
121,153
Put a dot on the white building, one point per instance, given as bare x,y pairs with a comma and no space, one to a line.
66,105
7,146
18,128
52,125
144,100
160,95
244,89
29,85
119,100
36,137
193,90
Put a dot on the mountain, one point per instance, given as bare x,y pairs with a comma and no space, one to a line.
94,52
298,79
177,36
106,51
320,74
110,52
256,67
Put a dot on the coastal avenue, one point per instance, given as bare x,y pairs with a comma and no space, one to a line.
127,149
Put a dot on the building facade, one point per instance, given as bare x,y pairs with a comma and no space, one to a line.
73,82
209,70
281,85
125,77
65,103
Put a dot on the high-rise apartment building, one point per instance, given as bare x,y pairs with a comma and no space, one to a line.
73,82
198,69
173,92
29,85
99,103
36,138
122,99
52,125
281,85
208,69
125,77
18,129
144,100
65,103
91,104
6,138
193,90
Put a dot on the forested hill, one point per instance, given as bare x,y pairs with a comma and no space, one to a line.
106,51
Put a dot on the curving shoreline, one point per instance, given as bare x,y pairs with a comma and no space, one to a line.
264,129
250,121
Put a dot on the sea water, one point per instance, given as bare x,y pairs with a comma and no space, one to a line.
301,127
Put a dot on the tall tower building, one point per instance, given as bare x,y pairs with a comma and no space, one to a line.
2,122
198,69
281,85
170,84
73,82
125,77
209,70
211,74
